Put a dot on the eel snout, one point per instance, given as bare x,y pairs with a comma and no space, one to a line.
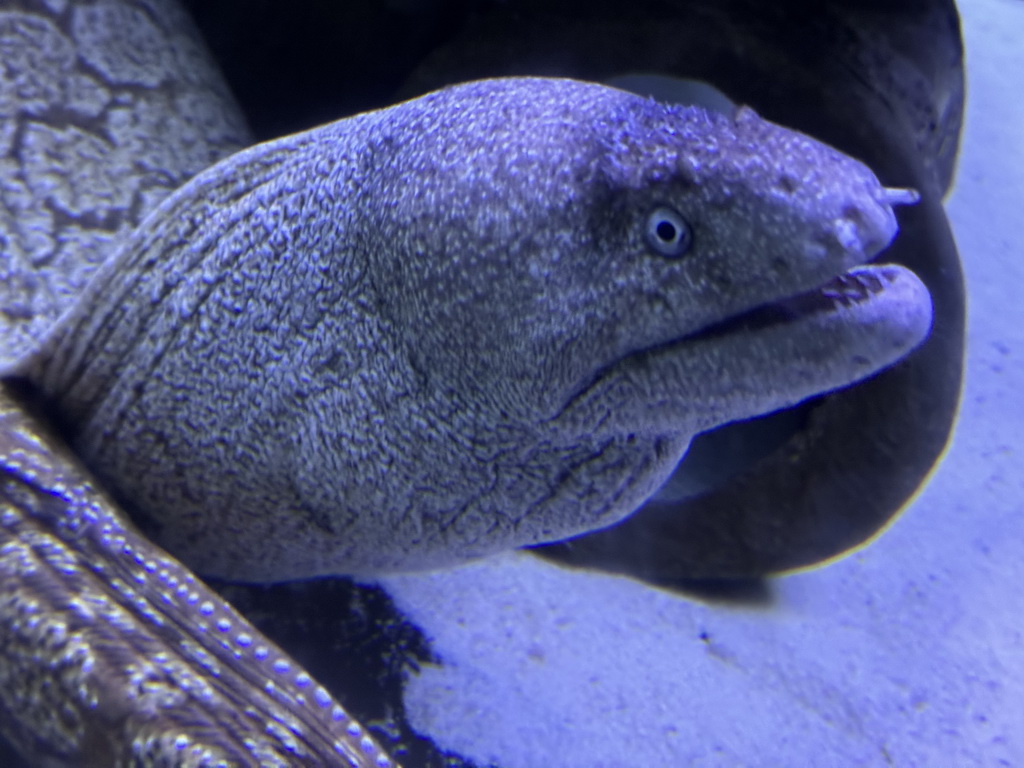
862,319
865,295
863,226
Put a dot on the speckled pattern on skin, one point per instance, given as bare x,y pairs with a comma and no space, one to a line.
112,653
441,330
92,136
115,654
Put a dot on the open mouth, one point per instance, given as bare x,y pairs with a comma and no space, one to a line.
843,292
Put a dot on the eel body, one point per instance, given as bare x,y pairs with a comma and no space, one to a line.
488,317
111,652
114,654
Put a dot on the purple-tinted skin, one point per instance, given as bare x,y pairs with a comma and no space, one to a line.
112,652
489,317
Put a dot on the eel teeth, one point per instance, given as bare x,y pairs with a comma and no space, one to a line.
844,291
850,288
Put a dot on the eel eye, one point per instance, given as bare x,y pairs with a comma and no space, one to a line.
667,232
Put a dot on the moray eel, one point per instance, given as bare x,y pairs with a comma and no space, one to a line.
488,317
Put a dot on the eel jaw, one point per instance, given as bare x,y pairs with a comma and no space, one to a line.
757,362
764,359
843,292
781,353
787,350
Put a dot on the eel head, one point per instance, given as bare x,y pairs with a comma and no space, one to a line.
488,317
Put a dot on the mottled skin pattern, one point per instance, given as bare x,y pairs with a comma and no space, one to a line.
111,652
448,328
114,653
105,107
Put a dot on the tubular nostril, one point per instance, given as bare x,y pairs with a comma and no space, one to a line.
848,233
865,229
899,196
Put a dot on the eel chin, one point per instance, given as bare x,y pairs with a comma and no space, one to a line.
887,298
762,360
784,352
877,315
